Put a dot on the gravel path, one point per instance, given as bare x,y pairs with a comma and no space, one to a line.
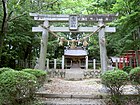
61,86
82,87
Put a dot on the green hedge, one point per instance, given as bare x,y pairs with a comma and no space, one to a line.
114,80
40,74
5,69
127,69
135,78
16,86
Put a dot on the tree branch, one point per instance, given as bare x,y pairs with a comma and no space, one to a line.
24,13
10,15
13,11
5,11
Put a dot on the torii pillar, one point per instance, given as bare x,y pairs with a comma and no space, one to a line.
102,44
43,49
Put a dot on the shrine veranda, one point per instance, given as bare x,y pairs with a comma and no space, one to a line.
73,21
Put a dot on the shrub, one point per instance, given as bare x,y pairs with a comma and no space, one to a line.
114,80
16,86
5,69
127,69
40,74
135,78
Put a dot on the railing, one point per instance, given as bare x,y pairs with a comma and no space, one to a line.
25,64
92,64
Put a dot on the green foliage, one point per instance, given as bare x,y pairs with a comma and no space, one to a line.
16,86
40,74
127,69
128,24
135,77
5,69
21,44
114,80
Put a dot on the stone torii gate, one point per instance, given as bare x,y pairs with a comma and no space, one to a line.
73,27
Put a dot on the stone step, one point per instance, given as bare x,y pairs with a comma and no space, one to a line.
72,96
69,101
74,74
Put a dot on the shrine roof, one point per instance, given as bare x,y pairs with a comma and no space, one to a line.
75,52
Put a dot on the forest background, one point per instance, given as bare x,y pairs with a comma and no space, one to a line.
19,43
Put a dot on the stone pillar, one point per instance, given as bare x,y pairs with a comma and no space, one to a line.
43,49
47,64
94,64
63,61
86,62
102,44
54,63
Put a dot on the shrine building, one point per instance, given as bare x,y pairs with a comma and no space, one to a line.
75,57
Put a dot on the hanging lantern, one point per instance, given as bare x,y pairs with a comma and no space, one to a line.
68,43
72,44
85,43
61,41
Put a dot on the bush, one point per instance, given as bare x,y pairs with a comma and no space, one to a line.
40,74
135,78
127,69
16,86
5,69
114,80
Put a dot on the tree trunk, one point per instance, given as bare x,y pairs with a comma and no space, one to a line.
1,45
4,27
136,57
137,54
137,36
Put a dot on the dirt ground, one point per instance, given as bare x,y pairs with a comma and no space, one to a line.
84,87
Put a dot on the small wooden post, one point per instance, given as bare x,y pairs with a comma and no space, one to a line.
47,64
94,64
54,63
63,61
86,62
